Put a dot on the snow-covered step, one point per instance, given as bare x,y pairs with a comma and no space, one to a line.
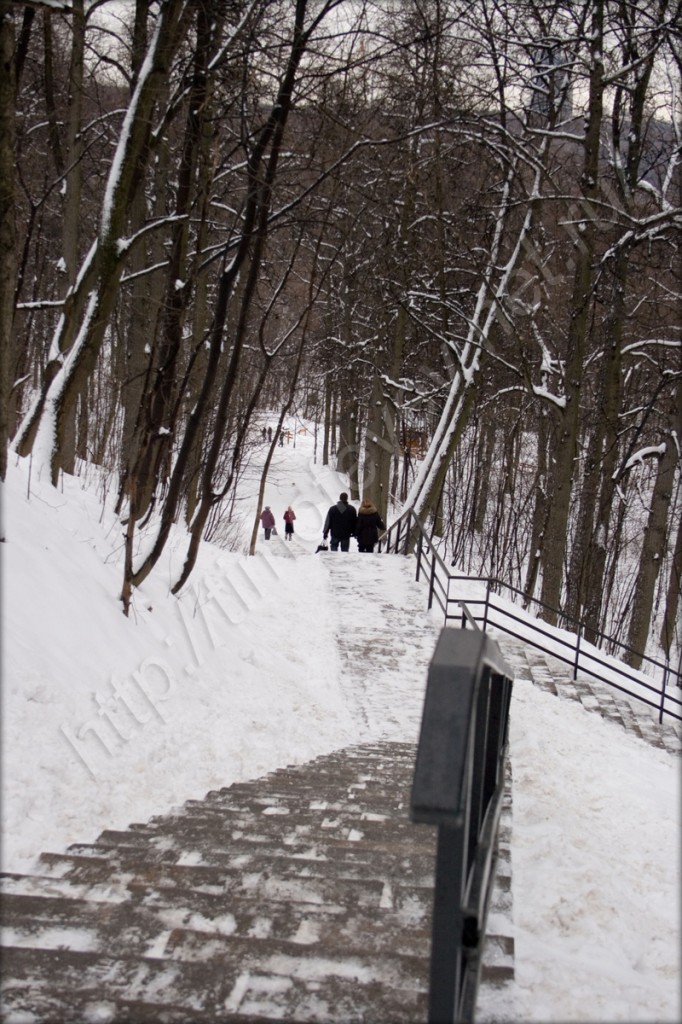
272,984
556,677
305,895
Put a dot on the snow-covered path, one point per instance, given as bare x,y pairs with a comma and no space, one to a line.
386,639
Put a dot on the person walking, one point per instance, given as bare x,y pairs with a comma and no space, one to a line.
267,521
368,525
340,523
289,517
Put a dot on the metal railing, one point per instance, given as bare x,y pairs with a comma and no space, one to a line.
449,591
458,786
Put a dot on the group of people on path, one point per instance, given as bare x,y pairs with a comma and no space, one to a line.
343,522
269,525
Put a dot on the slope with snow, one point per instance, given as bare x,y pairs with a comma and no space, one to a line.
108,720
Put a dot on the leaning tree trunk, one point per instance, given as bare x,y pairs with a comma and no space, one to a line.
87,308
426,490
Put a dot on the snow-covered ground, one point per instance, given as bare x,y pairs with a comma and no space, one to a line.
108,720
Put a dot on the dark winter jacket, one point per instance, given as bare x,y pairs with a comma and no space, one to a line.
368,525
340,521
267,519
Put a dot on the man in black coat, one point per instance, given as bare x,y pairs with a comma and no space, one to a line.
340,523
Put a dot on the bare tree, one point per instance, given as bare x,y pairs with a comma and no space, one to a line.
7,223
88,305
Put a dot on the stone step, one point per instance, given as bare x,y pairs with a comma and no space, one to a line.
327,784
306,895
364,892
30,920
49,1007
255,844
265,981
197,936
399,870
186,836
386,836
278,815
53,885
149,916
206,847
331,859
401,920
320,794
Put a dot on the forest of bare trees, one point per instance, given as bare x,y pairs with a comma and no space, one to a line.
448,232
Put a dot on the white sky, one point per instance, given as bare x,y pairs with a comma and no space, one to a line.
107,721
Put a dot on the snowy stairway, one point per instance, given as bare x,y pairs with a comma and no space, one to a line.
302,896
556,677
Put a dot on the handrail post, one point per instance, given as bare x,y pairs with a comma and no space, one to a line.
485,609
420,542
577,651
408,529
431,580
446,927
666,670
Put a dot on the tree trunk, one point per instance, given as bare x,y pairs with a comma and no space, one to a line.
539,519
609,404
347,454
88,306
566,420
7,222
652,554
328,425
161,400
671,630
379,447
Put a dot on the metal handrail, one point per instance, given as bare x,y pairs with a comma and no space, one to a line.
408,536
459,786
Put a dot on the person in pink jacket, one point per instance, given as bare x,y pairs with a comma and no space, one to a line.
268,521
289,517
